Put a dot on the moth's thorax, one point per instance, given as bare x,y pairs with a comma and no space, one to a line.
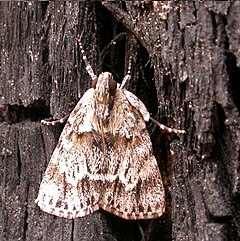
105,89
102,111
102,90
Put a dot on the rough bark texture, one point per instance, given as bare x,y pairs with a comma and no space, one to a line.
186,63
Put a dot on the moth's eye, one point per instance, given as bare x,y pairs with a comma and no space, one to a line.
112,86
94,83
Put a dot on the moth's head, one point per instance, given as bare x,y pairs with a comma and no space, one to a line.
105,87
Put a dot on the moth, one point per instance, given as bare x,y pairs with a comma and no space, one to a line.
104,157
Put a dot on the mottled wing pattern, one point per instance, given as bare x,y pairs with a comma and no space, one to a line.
133,187
134,101
68,189
124,179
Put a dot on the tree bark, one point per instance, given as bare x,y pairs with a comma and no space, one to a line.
185,68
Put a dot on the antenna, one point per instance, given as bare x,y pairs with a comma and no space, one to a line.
88,66
128,75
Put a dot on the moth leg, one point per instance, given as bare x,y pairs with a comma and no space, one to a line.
167,129
55,122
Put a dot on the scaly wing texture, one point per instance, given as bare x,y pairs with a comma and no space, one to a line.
119,175
68,189
135,102
136,190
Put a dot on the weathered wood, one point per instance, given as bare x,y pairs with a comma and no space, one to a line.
193,49
22,54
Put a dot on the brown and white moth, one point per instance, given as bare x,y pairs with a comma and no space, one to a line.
104,157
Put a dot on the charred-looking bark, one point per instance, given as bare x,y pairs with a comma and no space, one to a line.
185,69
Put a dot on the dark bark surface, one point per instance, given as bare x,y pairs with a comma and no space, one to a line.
186,63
